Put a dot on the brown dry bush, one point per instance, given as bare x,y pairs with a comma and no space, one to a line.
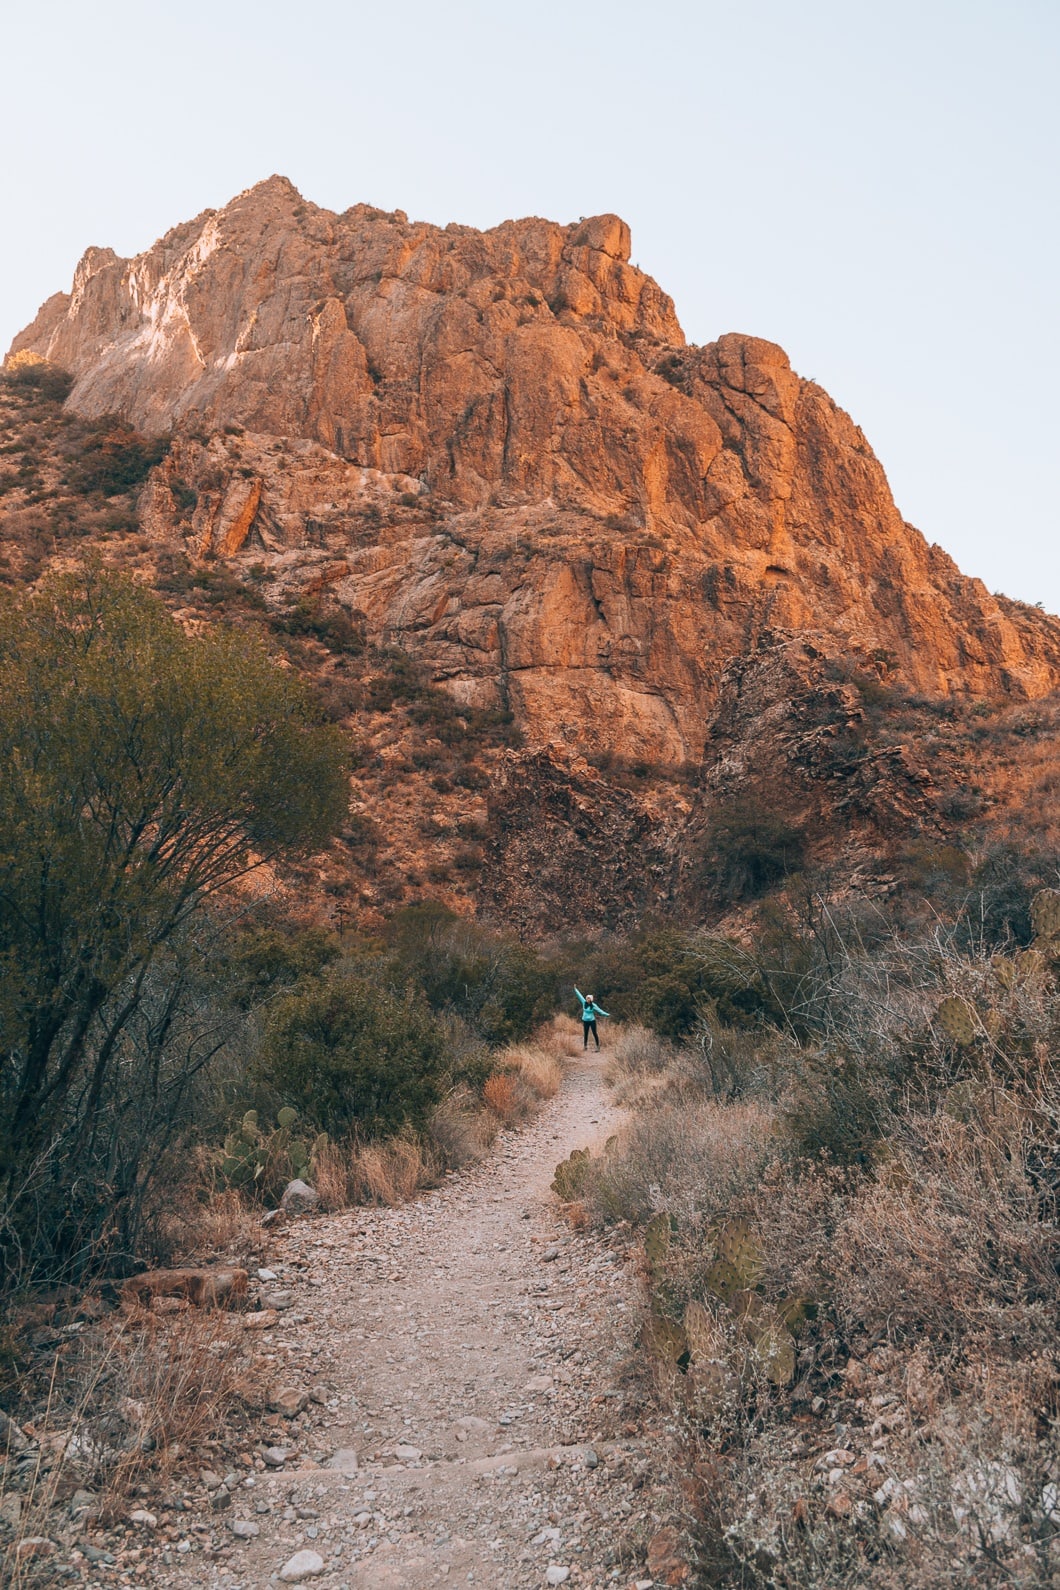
928,1269
390,1171
460,1129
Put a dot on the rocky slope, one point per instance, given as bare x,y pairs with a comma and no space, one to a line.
592,515
496,454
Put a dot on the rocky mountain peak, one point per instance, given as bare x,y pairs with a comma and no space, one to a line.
498,450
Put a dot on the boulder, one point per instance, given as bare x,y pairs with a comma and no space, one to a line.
299,1199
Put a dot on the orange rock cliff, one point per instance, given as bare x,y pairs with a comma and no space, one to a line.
531,480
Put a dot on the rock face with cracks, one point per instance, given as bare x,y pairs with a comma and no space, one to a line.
497,449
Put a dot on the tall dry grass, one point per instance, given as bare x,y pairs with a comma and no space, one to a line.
899,1192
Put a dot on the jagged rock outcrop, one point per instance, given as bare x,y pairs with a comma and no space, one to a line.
498,448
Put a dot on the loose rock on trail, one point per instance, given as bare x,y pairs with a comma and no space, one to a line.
486,1420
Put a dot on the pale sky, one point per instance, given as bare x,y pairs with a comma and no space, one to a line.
872,185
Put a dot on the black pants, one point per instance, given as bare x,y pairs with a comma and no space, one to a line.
587,1028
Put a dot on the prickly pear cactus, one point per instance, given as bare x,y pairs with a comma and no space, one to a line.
994,1022
738,1246
569,1181
723,1280
666,1340
657,1235
775,1352
286,1118
954,1016
1028,963
1045,913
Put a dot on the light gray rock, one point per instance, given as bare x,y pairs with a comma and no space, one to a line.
243,1529
299,1198
303,1565
344,1461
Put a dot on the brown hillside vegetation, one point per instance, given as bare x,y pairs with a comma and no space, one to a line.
400,624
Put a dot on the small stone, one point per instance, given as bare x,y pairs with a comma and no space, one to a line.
289,1401
362,1520
277,1300
344,1461
591,1460
547,1258
540,1383
407,1454
260,1319
665,1559
221,1499
554,1574
143,1518
318,1394
303,1565
299,1198
275,1456
273,1217
34,1546
267,1275
243,1529
839,1506
12,1438
211,1480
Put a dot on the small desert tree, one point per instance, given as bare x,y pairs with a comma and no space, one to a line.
145,769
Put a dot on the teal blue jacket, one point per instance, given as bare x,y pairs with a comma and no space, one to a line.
590,1009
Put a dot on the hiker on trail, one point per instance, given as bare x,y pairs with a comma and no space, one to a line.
590,1011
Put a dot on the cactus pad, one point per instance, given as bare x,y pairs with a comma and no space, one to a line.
286,1117
657,1238
569,1181
954,1016
723,1280
1045,913
738,1246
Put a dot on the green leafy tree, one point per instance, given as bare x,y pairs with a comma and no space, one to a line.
351,1054
145,770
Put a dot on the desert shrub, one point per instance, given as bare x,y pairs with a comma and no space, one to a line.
145,770
110,457
326,622
263,959
352,1056
685,1156
1002,888
667,979
30,374
500,988
747,850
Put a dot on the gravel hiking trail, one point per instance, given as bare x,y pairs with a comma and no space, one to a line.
477,1416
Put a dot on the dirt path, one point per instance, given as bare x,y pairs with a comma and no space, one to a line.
473,1418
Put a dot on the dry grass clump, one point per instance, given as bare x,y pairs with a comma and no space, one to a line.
854,1284
460,1129
135,1398
538,1065
390,1171
639,1063
688,1156
509,1097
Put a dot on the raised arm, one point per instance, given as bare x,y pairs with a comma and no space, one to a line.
581,996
